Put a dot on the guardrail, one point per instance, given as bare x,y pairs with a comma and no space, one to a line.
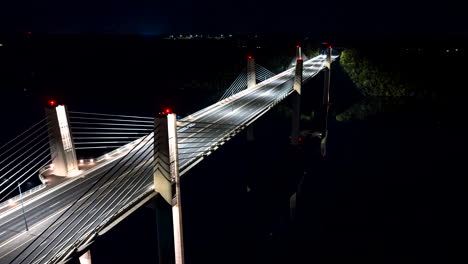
119,150
24,194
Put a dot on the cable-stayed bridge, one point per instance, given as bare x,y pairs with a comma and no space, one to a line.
59,219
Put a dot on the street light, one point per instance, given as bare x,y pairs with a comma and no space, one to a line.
22,207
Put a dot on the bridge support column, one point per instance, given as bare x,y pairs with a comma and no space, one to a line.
85,258
61,144
251,82
327,71
326,102
166,177
296,103
164,229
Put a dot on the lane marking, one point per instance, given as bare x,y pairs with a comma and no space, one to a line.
54,204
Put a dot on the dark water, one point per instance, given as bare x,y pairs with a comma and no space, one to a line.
391,190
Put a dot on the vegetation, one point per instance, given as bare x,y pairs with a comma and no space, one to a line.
372,80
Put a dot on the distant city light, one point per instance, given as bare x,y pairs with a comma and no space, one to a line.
1,45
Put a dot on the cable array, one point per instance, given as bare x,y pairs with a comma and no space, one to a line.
262,73
313,68
107,131
128,179
103,196
23,157
240,83
200,138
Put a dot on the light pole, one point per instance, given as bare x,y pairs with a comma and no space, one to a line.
22,207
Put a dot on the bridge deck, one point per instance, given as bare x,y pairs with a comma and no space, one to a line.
74,210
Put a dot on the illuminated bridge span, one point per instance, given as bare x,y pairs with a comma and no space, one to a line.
59,219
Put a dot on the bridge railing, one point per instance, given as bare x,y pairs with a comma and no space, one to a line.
25,194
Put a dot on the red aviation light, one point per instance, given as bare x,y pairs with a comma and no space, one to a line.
249,57
330,47
167,111
300,58
297,46
52,103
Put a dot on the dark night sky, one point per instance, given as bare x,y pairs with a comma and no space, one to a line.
188,16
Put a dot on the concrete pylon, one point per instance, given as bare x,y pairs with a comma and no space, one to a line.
298,52
251,78
251,82
298,76
296,103
327,71
166,176
62,148
164,231
326,102
85,258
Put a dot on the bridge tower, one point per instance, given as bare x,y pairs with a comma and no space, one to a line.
251,78
85,258
326,101
167,184
251,82
62,148
327,71
296,99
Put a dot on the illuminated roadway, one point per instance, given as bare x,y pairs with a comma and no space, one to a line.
128,178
